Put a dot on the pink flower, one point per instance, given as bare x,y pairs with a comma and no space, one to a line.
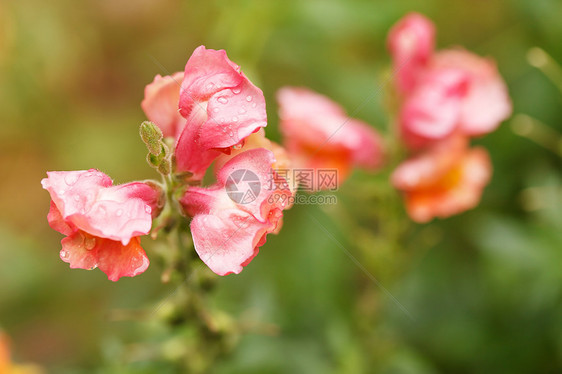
222,108
160,103
318,134
411,42
445,92
443,181
232,218
102,222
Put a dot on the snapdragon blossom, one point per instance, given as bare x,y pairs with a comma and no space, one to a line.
318,134
102,223
444,180
226,233
443,92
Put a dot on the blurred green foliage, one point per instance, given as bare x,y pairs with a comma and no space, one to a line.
484,289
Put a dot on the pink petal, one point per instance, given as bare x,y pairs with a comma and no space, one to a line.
486,103
57,222
300,102
190,156
424,169
86,200
411,42
319,134
160,104
84,251
433,110
117,260
485,107
74,192
233,114
246,170
228,240
207,72
475,168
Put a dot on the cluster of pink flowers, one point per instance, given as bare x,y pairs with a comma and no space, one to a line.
447,97
214,115
213,118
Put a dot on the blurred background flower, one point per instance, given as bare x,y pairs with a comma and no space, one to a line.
483,289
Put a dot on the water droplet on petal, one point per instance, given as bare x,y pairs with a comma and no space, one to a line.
210,85
236,90
248,98
119,213
216,110
90,243
254,105
231,133
222,100
71,179
76,198
147,209
64,254
234,119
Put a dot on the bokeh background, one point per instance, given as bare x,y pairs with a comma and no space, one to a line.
477,293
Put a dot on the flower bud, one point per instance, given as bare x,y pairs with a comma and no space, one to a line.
151,136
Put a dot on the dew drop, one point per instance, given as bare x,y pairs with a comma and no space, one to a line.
147,209
210,86
222,120
119,213
236,91
231,133
254,105
70,179
222,100
76,198
234,119
90,243
216,110
248,98
64,254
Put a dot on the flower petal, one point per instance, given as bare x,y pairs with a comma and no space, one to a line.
160,104
233,114
433,110
207,72
116,260
74,192
56,221
228,240
411,42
